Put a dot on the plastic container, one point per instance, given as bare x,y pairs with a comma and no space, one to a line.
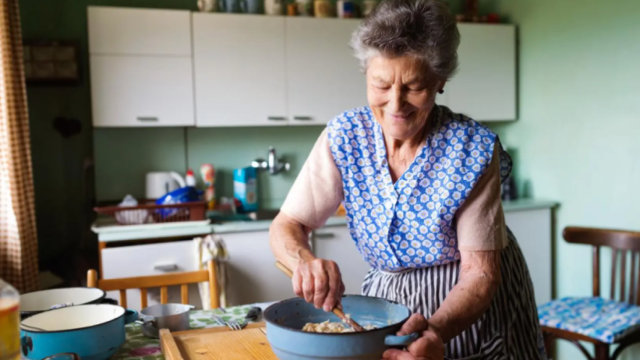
9,322
245,188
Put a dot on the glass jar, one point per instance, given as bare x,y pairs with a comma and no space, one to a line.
9,322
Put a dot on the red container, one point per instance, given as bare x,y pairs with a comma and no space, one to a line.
148,212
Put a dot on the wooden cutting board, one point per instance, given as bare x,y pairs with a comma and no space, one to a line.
218,343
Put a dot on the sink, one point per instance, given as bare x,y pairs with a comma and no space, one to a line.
265,214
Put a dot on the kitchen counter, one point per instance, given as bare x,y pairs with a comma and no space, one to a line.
109,232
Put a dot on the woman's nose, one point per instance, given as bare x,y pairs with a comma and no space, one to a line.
396,100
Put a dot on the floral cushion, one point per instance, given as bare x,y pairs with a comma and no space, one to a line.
602,319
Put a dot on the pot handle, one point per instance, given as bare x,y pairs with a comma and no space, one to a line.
130,316
26,344
405,340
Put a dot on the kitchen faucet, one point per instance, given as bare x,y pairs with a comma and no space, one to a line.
273,164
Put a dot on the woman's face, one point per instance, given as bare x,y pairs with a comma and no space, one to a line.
401,94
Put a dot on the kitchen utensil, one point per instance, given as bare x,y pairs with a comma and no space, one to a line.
174,317
160,183
250,6
218,343
368,6
230,6
177,196
346,9
93,332
39,301
323,8
354,325
273,7
305,7
131,217
292,9
207,5
286,319
252,315
223,322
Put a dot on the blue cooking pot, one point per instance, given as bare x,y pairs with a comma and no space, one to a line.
93,332
286,319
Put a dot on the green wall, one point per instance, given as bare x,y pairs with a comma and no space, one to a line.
124,156
64,185
579,124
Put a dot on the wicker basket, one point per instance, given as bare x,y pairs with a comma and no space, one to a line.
149,212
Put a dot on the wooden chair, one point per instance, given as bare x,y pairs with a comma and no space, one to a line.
160,281
624,245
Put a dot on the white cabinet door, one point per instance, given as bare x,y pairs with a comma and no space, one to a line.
128,31
141,91
323,76
532,229
335,243
154,259
239,70
485,86
253,276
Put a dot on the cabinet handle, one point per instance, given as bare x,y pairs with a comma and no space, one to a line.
167,267
147,118
327,235
303,118
277,118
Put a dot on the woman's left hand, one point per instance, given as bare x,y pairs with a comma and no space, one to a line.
428,347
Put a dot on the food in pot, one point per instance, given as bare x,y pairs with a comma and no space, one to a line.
331,327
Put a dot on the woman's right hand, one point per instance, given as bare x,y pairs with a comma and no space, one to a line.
319,282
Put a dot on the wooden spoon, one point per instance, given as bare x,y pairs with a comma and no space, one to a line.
354,325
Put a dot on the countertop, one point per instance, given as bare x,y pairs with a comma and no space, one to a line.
109,232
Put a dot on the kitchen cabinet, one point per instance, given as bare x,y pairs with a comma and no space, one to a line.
335,243
153,259
323,75
485,86
253,276
141,67
141,91
274,71
152,67
131,31
533,230
239,63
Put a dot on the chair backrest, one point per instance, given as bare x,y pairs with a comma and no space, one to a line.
624,245
160,281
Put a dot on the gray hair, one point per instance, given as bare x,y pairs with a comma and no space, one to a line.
424,29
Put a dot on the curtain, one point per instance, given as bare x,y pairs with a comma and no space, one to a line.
18,237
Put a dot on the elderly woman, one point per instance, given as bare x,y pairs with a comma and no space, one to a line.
421,188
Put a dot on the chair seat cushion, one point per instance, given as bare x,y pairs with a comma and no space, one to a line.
602,319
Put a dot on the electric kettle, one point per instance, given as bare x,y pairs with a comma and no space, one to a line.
162,182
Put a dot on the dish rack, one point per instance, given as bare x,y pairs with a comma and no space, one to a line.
149,213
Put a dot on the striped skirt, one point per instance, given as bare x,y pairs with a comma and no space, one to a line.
508,330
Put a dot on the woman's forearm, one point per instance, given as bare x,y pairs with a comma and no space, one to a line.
318,281
471,296
289,241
